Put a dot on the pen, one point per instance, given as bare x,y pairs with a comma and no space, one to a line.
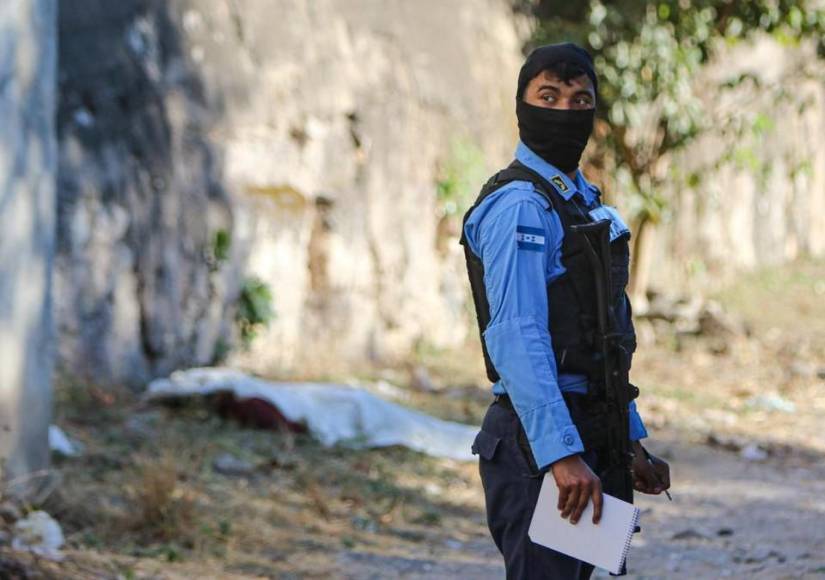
650,462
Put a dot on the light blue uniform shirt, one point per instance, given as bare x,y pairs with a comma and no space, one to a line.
519,243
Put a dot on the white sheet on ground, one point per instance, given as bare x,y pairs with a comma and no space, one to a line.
333,413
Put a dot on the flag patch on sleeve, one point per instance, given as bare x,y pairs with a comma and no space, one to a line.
529,238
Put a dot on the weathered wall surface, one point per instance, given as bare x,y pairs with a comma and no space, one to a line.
760,199
312,132
140,197
338,154
28,160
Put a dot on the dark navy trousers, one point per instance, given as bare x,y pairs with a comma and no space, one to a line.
511,484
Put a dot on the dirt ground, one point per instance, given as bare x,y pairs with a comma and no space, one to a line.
729,518
737,413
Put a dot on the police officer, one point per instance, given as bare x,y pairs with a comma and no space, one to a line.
535,315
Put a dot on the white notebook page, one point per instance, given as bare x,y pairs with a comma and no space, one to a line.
604,545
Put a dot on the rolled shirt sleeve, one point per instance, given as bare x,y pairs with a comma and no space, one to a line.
637,427
520,250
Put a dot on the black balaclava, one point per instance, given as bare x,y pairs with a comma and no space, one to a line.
558,136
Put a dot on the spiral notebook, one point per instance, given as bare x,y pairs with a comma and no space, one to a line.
604,545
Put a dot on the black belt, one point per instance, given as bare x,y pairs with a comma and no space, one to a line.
569,398
591,426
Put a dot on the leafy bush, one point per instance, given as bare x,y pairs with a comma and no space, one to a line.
255,309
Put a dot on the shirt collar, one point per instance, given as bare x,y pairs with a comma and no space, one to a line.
566,187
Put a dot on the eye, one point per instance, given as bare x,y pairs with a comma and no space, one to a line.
549,97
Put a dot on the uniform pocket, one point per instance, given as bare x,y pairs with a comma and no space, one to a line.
617,226
485,445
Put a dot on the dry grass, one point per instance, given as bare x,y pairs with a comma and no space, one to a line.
706,390
144,502
161,508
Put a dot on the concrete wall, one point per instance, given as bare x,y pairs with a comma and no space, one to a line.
314,133
760,200
28,162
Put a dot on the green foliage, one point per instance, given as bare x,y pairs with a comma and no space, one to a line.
648,55
255,309
460,177
221,245
218,251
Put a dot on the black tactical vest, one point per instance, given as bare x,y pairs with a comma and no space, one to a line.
571,297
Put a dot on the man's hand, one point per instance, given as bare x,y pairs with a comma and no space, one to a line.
577,485
652,476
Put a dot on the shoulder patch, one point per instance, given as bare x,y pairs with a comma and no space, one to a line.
530,238
559,183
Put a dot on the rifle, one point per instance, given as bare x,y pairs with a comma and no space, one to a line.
618,392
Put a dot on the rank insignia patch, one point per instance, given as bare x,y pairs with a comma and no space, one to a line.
559,183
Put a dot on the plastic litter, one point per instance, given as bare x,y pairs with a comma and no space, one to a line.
60,443
40,534
753,452
772,402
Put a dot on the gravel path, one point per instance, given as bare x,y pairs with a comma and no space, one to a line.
734,518
730,517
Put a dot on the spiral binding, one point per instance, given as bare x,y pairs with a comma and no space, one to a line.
631,530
